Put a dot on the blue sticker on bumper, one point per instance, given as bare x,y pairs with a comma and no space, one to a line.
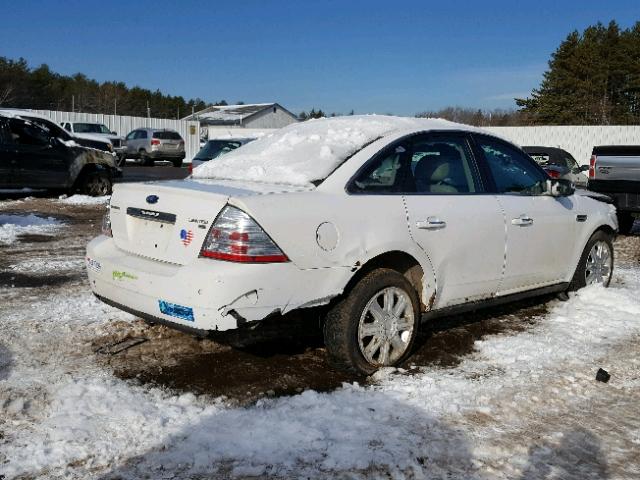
175,310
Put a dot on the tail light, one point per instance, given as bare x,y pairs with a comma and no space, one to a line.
155,141
106,223
236,237
553,173
190,168
592,166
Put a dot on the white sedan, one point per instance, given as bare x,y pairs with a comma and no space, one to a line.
375,222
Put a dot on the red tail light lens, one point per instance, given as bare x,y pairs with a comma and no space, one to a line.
592,166
553,173
155,141
236,237
190,168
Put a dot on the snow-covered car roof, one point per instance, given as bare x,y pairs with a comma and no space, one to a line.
302,153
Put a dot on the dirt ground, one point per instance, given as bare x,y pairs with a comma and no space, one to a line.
285,358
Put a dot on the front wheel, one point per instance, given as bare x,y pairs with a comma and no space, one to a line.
375,325
96,184
596,263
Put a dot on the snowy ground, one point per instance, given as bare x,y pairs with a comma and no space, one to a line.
523,403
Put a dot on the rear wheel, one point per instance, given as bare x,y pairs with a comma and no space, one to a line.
96,184
375,325
625,222
145,159
596,263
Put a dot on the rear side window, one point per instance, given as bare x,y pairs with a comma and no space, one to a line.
442,165
167,135
27,133
141,134
512,171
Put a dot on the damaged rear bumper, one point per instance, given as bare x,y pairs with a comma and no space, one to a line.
207,294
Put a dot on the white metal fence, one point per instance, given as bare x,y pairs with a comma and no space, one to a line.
577,140
122,125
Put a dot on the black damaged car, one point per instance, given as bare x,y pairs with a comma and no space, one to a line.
36,155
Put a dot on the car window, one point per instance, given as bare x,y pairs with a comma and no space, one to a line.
167,135
512,170
441,164
570,161
131,135
27,133
215,148
385,173
50,127
141,134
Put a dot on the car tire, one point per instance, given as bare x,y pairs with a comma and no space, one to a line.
593,267
145,159
177,163
96,184
625,222
361,342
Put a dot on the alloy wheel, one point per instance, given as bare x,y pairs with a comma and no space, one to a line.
599,264
386,326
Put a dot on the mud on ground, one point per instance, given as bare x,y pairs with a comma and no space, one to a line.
288,359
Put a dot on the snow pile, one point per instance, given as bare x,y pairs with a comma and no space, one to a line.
12,225
84,200
48,265
301,153
476,420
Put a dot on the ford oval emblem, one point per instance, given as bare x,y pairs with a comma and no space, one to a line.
152,199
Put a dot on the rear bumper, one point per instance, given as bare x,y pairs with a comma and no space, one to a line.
161,155
221,295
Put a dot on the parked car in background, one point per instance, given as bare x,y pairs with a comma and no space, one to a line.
91,141
90,130
150,144
559,163
374,221
215,148
615,171
34,156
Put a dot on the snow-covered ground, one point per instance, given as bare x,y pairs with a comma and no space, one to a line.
523,405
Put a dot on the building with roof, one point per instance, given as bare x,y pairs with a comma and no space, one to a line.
256,115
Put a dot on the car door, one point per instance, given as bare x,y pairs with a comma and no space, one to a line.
38,160
6,147
458,225
130,142
540,228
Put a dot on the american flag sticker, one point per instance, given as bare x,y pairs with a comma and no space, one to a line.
186,236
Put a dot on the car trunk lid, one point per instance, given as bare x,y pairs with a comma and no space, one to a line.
168,221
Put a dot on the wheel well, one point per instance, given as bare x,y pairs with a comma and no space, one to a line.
396,260
88,169
607,229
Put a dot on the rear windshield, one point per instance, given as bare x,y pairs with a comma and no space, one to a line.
215,148
167,135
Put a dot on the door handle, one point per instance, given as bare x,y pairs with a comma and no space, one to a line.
431,223
522,221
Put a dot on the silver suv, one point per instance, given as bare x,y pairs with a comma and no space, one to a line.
151,144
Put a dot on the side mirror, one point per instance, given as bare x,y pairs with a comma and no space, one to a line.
113,133
584,168
560,187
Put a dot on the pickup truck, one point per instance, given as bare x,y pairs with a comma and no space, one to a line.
615,171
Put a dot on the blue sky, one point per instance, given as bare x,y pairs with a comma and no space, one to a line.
372,56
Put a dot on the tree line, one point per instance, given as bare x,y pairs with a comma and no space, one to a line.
42,89
593,79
